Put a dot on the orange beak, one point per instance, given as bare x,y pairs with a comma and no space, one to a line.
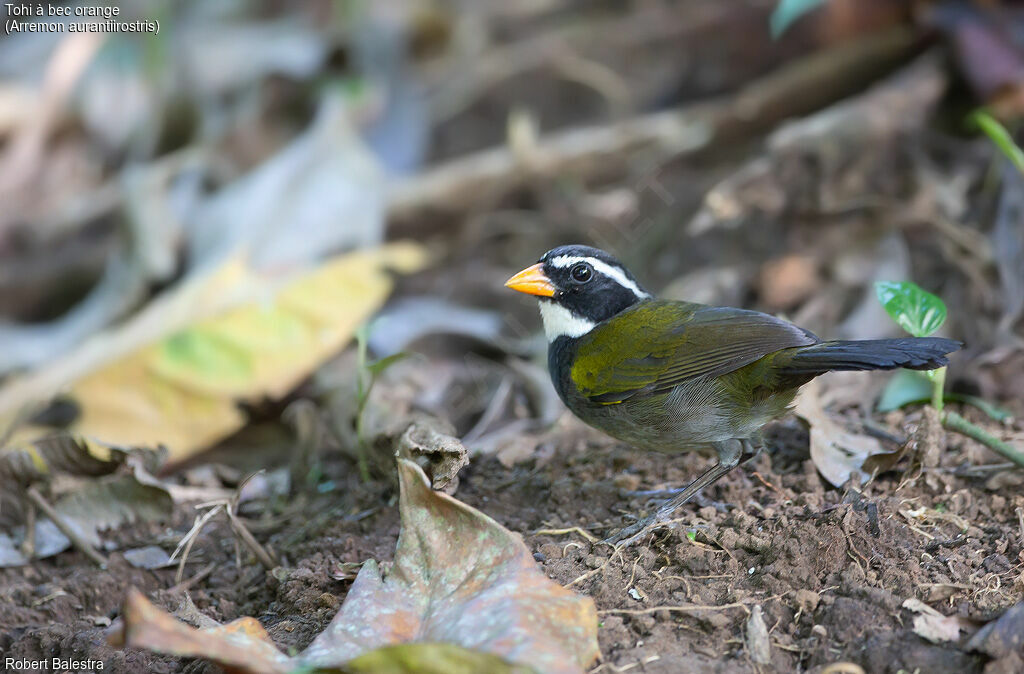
532,281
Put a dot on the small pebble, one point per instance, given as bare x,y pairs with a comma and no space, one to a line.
806,600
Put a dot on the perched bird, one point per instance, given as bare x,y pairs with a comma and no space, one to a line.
675,376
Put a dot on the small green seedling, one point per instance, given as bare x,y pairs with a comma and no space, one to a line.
999,136
921,313
366,377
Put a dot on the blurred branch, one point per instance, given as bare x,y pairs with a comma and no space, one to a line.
20,161
796,89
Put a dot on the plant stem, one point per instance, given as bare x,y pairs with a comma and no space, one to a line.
955,422
361,445
938,384
364,382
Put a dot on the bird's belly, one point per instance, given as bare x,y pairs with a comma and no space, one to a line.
688,417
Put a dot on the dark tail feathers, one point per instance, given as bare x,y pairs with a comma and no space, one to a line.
915,353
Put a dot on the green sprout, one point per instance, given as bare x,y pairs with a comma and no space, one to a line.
921,313
998,134
366,376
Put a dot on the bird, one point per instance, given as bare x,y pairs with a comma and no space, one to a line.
675,376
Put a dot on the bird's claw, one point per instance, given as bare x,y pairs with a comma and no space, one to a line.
627,536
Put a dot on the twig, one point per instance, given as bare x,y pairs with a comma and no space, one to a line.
915,528
593,572
186,585
245,536
792,90
190,538
28,546
685,608
955,422
591,538
37,499
625,668
768,484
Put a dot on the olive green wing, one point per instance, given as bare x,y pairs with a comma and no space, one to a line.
656,345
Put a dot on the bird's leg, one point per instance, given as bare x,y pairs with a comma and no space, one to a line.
729,455
699,498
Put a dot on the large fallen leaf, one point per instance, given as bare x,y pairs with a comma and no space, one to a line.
458,578
182,390
837,453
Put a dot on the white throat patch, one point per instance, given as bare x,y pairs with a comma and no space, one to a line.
608,270
560,322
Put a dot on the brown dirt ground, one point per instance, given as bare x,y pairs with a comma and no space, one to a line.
830,588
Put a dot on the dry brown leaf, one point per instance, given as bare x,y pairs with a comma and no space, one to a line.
89,499
837,453
459,578
434,440
932,625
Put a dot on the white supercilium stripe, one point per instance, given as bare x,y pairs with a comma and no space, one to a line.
559,321
608,270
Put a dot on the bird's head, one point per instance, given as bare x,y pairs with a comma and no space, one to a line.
578,287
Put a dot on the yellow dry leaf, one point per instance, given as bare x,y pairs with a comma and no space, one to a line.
183,390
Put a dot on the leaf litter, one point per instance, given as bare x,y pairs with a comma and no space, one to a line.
458,577
82,488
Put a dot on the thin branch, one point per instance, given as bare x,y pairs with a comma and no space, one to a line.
40,502
264,556
792,90
955,422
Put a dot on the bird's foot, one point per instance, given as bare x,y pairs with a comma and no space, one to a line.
634,532
627,536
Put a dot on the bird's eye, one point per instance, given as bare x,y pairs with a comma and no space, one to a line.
581,273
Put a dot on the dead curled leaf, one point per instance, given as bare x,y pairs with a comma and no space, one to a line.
460,581
932,625
434,439
92,495
837,453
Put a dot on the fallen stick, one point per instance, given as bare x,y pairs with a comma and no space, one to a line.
44,506
796,89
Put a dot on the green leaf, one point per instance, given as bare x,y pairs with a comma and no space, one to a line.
905,387
998,134
788,11
915,310
378,366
